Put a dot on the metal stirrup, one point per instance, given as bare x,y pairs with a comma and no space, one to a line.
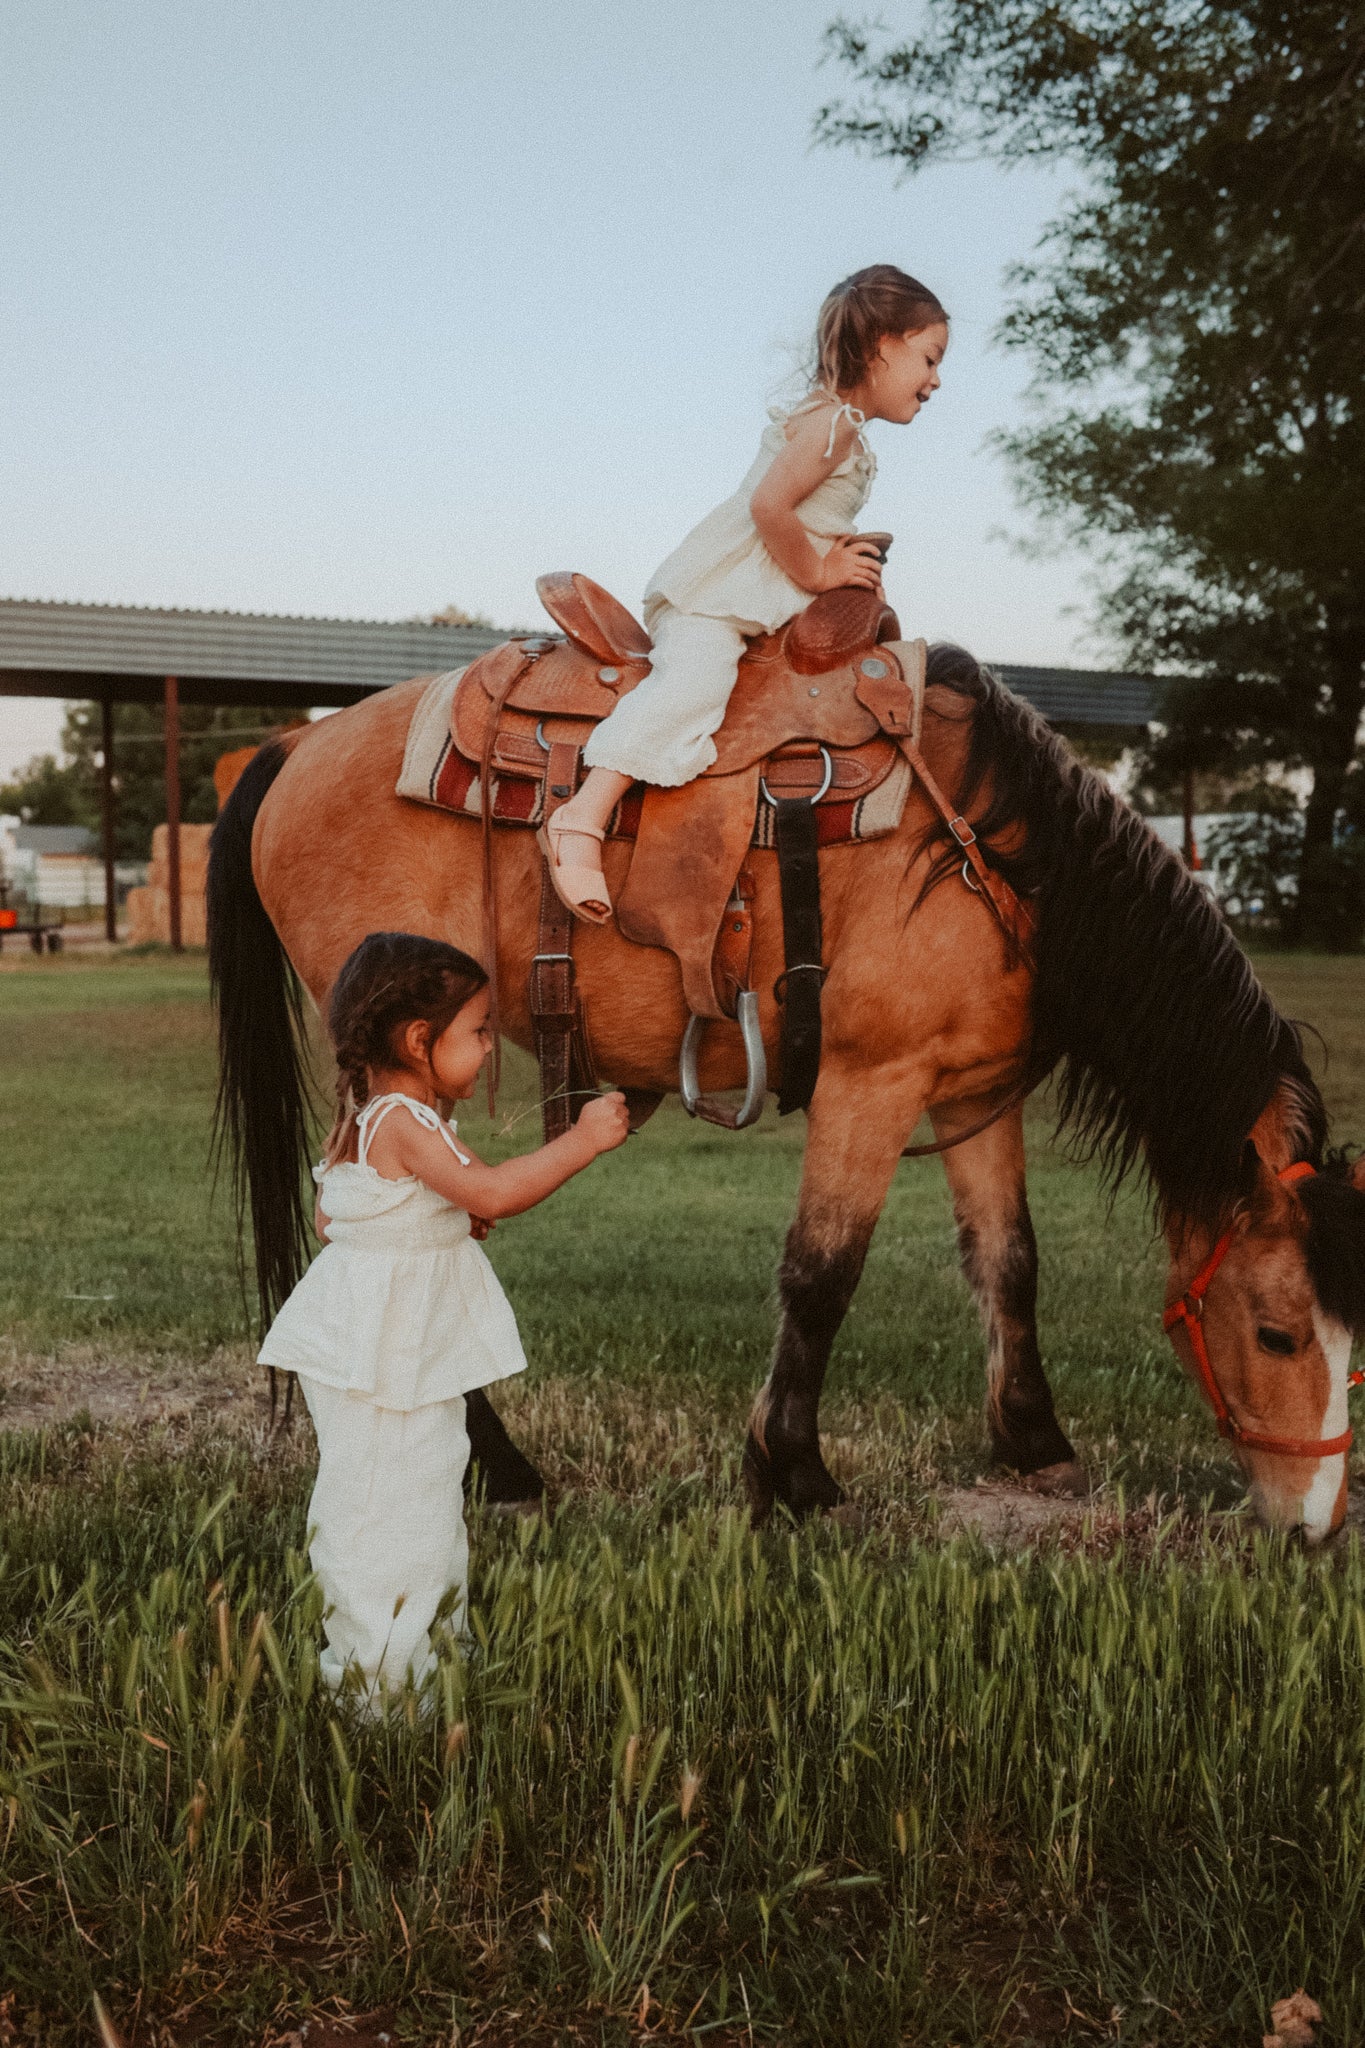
755,1059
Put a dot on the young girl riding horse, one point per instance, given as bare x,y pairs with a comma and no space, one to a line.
401,1315
757,560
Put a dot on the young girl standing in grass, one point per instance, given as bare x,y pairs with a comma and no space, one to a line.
758,559
401,1315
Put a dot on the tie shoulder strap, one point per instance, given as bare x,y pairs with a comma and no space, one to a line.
374,1113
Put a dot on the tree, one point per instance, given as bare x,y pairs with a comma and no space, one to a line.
47,792
1193,318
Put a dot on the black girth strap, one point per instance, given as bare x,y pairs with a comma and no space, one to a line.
798,987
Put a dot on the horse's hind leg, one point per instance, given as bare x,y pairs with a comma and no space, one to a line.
505,1475
1000,1258
851,1155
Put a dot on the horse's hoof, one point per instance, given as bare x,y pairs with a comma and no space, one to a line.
536,1504
847,1515
1068,1480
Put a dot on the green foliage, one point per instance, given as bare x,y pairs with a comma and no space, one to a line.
47,792
206,731
68,793
787,1788
1257,855
730,1778
1192,317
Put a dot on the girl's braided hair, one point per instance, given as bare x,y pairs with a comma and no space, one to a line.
859,313
391,979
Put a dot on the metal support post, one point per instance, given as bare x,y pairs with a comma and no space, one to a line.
107,817
173,806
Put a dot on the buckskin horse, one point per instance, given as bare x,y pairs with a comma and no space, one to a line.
1169,1058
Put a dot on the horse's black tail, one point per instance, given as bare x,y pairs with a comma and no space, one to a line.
261,1115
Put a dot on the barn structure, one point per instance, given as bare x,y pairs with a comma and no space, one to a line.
131,654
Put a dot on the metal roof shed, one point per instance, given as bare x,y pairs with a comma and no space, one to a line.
133,654
128,654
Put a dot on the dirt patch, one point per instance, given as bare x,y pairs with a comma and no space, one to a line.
596,1439
42,1392
1010,1518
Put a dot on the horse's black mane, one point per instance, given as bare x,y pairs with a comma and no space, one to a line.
1167,1046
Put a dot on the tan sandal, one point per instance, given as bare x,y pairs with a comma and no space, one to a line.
576,887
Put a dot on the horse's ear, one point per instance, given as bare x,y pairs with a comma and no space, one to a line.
1258,1191
1249,1172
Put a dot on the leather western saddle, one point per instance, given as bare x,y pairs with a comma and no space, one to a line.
822,712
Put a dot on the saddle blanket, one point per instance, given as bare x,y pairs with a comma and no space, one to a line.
434,773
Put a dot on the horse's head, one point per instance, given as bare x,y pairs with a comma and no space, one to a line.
1263,1318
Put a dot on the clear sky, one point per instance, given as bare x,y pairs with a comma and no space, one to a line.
373,306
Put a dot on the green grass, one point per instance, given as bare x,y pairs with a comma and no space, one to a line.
933,1794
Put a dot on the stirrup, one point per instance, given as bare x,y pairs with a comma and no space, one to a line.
756,1070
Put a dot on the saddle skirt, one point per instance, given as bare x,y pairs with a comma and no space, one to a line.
816,715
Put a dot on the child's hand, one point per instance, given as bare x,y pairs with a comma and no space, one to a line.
605,1122
852,559
479,1226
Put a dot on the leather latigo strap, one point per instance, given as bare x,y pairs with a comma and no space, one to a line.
562,1049
735,941
506,666
564,1055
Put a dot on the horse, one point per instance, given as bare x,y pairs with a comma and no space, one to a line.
1168,1058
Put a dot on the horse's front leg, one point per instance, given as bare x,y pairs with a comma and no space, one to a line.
986,1176
854,1141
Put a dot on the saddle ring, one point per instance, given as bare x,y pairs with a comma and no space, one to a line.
966,876
541,740
820,793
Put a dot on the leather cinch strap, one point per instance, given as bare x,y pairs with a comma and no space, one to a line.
798,989
1189,1310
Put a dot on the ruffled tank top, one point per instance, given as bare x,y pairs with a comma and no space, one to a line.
401,1305
722,568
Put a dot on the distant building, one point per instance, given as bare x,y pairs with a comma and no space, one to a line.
1170,828
55,866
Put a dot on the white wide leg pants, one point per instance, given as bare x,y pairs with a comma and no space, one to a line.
662,730
388,1533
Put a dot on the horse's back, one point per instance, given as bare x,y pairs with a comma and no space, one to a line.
337,854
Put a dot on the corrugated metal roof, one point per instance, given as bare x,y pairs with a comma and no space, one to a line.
1084,696
275,657
53,839
261,647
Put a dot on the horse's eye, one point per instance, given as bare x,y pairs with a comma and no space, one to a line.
1278,1341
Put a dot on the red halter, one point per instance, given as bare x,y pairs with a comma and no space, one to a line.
1189,1310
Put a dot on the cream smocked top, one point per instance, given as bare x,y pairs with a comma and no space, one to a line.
722,568
401,1305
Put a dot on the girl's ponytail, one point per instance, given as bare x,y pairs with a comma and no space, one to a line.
352,1093
858,313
